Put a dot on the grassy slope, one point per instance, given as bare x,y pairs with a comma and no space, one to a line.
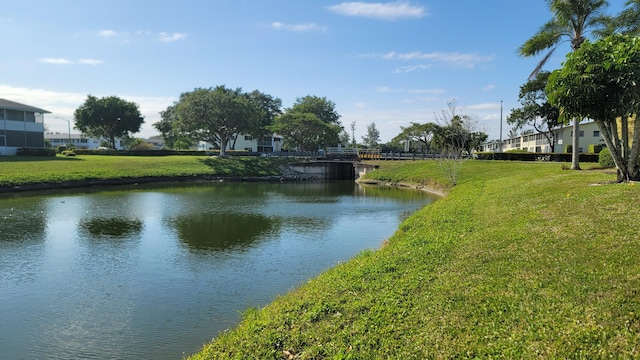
19,170
520,260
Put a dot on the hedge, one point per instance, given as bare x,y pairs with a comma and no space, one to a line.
515,156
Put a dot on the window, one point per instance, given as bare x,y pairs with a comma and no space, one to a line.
15,115
596,133
248,137
581,133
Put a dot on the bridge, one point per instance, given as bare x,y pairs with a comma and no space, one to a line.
332,169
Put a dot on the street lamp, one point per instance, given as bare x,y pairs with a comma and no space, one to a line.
69,125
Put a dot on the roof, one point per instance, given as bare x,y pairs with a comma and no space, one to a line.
12,105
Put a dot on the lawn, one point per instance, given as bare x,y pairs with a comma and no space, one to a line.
15,170
519,260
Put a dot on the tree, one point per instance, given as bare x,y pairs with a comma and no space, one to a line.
571,20
215,115
169,128
536,109
372,138
627,22
421,133
600,81
321,110
108,118
455,136
303,131
270,108
321,107
344,138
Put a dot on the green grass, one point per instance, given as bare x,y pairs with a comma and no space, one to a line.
20,170
519,260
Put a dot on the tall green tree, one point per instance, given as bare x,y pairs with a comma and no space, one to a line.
108,118
627,21
571,21
304,131
536,110
321,107
419,133
372,138
215,115
600,81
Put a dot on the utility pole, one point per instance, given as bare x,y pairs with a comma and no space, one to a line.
353,132
500,125
69,125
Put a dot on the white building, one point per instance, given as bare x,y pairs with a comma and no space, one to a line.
266,144
21,126
78,141
538,143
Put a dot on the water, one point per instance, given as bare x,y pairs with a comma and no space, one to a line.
156,271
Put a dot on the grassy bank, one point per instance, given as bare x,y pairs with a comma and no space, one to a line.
520,260
17,171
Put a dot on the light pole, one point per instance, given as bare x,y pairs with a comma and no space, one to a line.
500,125
69,125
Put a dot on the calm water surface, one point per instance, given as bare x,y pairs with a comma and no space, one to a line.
156,271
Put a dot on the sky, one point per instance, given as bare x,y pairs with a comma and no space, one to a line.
385,62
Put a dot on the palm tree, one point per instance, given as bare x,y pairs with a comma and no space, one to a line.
628,21
571,21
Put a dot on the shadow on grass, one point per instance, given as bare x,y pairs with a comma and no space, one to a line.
243,166
37,158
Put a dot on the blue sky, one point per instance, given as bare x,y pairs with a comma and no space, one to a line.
384,62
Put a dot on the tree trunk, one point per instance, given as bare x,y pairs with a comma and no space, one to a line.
610,139
575,154
223,145
634,155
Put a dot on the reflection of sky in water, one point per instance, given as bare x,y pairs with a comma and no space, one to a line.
157,272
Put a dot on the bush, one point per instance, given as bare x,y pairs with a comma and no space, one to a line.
605,159
61,148
35,152
596,148
568,149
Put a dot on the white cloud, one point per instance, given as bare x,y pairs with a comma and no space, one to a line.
360,105
166,37
90,61
298,27
409,69
141,35
63,61
489,87
382,11
483,107
387,89
55,61
107,33
64,104
456,59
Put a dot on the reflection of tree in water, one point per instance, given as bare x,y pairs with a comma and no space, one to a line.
111,227
222,231
318,192
18,224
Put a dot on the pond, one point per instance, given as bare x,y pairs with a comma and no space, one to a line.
155,271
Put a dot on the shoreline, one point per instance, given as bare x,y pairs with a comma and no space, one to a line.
433,191
142,180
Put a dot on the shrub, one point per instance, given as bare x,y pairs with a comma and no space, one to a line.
605,159
61,148
568,149
35,152
596,148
